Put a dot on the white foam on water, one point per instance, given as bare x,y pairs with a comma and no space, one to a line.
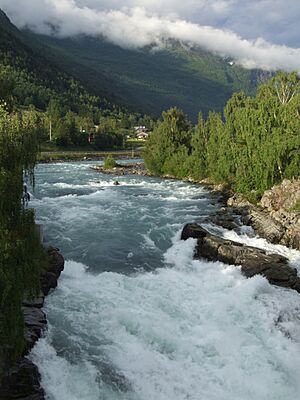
193,330
256,241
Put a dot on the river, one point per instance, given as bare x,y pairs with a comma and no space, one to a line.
135,317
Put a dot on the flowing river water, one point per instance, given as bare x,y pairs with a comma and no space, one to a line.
135,317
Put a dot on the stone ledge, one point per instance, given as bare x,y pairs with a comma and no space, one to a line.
253,261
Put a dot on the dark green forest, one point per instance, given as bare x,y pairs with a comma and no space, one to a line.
62,102
255,145
149,80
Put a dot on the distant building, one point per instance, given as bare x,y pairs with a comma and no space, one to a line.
92,131
142,135
141,132
91,137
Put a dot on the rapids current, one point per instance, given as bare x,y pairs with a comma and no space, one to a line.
136,318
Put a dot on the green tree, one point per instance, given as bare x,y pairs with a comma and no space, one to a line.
172,135
199,143
22,256
6,88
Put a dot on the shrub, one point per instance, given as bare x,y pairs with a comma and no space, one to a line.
109,162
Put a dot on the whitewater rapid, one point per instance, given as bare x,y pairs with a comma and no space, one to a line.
136,317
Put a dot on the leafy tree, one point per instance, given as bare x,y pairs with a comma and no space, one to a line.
199,143
171,136
256,146
6,88
22,256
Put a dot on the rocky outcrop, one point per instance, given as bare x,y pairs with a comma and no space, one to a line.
264,225
22,381
282,197
276,217
253,261
50,277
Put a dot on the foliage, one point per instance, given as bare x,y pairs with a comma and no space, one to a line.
69,109
256,146
21,253
169,145
296,207
149,80
109,162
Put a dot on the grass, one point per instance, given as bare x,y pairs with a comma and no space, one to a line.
296,207
109,162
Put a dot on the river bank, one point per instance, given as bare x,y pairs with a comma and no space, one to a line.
276,217
22,380
135,312
253,261
68,156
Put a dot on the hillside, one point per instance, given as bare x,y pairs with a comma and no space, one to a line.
37,79
75,70
149,80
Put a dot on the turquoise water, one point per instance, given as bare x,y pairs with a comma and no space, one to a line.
135,317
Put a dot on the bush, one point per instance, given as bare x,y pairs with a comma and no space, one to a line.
109,162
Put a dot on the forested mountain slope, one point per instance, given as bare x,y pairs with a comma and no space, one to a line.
37,79
152,80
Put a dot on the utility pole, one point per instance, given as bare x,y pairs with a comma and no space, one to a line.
50,130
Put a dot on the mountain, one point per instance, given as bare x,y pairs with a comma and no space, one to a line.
145,80
152,80
38,79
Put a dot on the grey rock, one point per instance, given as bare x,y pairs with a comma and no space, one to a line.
22,382
266,227
253,261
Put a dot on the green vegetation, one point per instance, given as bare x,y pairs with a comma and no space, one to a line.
70,155
150,80
71,115
254,148
22,256
296,207
109,162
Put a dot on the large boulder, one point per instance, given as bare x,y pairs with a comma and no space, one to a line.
22,382
282,197
35,324
48,282
277,217
265,225
55,267
253,261
56,261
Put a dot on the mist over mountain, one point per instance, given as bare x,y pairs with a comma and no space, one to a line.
255,34
147,79
151,80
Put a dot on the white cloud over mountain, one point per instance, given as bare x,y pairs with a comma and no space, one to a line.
253,33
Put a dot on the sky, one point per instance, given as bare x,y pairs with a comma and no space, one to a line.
254,33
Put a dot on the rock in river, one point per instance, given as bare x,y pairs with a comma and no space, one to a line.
253,261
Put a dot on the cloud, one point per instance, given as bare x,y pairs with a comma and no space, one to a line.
148,22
